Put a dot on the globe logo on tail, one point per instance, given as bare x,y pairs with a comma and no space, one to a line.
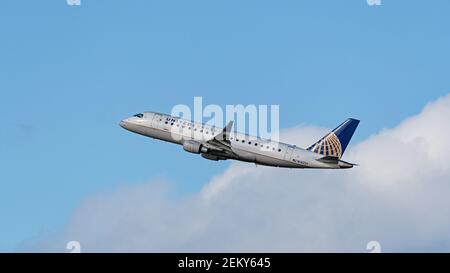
328,146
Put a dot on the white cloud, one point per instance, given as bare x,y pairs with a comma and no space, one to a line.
399,196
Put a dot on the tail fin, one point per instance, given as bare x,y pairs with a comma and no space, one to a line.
335,142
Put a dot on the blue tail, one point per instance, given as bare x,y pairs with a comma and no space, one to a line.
335,143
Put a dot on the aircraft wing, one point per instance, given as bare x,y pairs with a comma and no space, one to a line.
221,142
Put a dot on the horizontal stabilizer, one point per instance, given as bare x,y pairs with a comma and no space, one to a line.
329,159
334,160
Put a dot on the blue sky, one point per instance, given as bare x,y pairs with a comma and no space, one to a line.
69,74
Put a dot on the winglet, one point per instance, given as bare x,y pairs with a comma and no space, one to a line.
225,134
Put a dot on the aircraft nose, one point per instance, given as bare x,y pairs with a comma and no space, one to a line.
123,124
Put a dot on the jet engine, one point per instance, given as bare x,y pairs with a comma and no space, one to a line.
194,147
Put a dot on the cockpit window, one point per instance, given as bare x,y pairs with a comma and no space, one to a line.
140,115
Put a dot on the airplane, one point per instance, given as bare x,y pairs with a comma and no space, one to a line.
222,143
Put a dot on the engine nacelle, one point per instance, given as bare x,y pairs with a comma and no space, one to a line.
213,157
194,147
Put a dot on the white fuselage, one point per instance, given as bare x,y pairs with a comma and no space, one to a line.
244,147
